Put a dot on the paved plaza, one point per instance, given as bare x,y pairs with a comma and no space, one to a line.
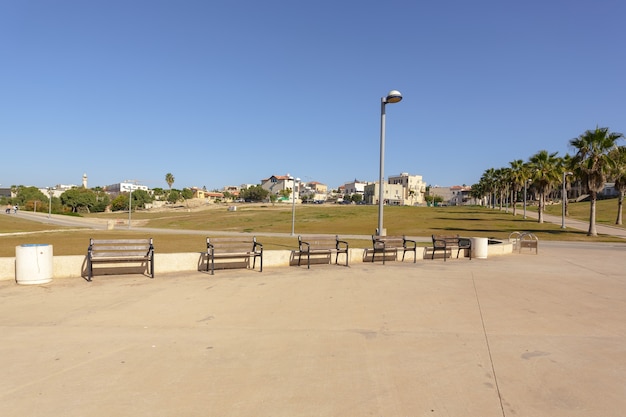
517,335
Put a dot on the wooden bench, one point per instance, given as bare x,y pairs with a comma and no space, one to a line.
393,244
444,242
120,251
321,245
233,248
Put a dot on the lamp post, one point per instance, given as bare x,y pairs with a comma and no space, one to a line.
130,205
564,199
50,192
394,96
293,206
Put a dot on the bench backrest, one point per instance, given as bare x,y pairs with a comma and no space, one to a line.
231,244
316,242
388,241
114,248
445,240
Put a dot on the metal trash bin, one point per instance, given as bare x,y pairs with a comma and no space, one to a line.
33,264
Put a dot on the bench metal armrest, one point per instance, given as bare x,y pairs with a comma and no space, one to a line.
341,243
413,244
257,245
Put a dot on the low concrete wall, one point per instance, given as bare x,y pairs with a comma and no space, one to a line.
75,266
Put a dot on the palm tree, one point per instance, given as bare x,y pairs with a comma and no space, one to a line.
619,176
594,161
488,180
568,165
169,179
517,180
545,173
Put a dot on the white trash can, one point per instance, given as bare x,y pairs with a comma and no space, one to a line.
33,264
480,247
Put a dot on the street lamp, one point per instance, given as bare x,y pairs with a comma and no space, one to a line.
293,205
564,199
130,205
394,96
50,192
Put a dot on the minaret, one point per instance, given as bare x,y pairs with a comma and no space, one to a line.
85,180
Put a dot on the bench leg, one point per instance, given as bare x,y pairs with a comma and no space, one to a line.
337,258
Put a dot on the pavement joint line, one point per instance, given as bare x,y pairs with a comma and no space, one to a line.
493,368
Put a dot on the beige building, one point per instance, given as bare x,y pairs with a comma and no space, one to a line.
414,188
400,190
393,194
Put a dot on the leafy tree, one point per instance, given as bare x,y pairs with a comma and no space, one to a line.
27,196
140,198
120,202
594,161
102,202
357,198
79,199
173,196
254,193
158,193
169,179
187,193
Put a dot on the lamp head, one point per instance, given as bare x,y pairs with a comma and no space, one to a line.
394,96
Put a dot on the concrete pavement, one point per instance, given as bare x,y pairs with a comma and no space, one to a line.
519,335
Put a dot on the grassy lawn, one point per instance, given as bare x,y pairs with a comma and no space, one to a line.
267,219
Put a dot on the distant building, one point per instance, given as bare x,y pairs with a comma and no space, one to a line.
277,184
456,195
393,194
124,187
414,188
400,190
354,187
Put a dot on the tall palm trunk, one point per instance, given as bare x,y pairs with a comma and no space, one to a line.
542,199
592,214
620,203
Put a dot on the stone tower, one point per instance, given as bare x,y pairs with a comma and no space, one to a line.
85,180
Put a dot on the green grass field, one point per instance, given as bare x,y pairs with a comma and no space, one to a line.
326,219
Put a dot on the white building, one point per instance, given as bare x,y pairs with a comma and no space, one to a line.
124,187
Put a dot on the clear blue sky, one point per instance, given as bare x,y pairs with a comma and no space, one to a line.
230,92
